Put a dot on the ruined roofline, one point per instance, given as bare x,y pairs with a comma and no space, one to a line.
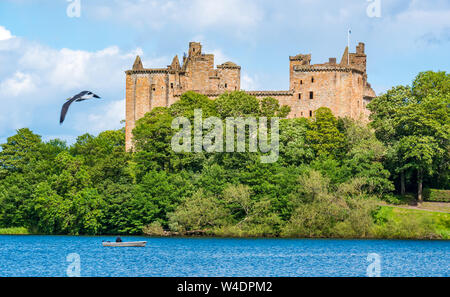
195,54
269,93
252,93
167,70
149,70
332,65
325,68
228,65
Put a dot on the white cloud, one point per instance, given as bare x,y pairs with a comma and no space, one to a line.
249,83
194,14
5,34
19,84
35,79
107,117
219,56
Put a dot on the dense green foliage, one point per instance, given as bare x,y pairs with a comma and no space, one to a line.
414,124
328,180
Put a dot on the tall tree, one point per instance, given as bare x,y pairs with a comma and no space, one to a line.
323,134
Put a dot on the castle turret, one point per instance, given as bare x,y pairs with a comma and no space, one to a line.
345,57
175,66
138,64
195,48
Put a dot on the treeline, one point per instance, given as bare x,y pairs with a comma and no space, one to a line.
328,181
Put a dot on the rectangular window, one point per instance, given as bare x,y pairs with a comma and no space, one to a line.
310,113
171,85
299,96
311,95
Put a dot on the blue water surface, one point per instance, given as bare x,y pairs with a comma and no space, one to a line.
47,256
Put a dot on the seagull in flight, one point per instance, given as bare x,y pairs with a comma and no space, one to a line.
85,95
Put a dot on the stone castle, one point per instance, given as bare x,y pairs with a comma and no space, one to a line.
342,86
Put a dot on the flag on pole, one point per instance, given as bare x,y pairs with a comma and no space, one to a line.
348,46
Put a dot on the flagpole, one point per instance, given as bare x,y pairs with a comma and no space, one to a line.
348,46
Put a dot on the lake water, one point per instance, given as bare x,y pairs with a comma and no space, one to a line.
47,256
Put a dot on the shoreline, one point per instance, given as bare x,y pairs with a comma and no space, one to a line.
230,237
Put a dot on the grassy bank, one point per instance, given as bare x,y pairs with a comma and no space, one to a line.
396,222
14,231
389,222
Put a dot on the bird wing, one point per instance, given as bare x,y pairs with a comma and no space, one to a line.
65,108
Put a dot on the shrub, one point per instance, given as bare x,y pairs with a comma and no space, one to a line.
14,231
435,195
154,229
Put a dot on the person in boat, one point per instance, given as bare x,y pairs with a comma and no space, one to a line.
118,239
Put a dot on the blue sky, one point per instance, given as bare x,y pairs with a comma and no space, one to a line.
47,56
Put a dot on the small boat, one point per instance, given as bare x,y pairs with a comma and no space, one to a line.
125,244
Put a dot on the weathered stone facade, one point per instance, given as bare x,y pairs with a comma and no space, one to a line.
341,87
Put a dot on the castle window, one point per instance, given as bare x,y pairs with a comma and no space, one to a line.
226,85
312,79
301,82
310,113
301,113
171,85
311,95
299,96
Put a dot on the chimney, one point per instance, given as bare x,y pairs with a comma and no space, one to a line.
332,61
360,48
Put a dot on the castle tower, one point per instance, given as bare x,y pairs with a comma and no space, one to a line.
341,87
147,88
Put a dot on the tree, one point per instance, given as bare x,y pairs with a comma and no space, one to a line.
191,101
237,104
418,153
323,134
293,148
414,124
20,150
198,213
384,110
423,127
152,138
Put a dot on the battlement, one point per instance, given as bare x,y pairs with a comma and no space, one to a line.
349,62
342,86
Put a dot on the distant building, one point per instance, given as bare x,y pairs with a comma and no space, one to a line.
341,87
